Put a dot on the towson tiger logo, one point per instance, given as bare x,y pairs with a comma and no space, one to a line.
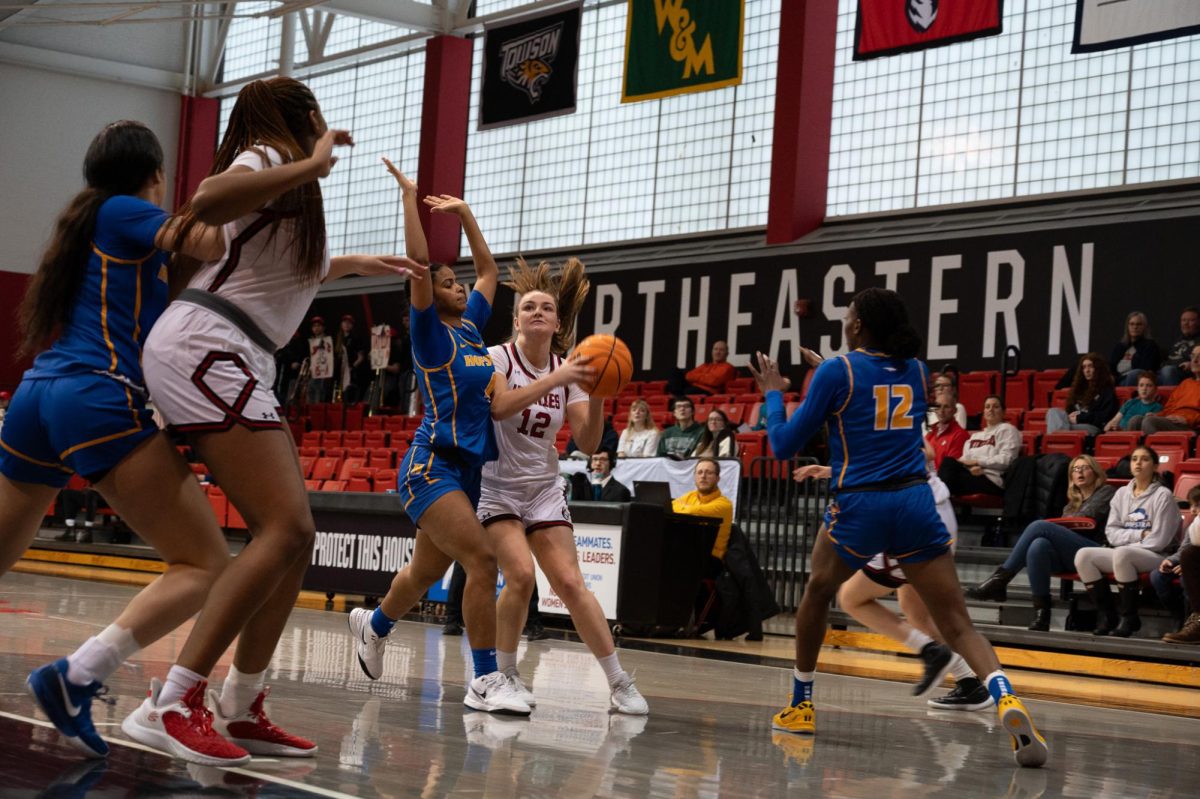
526,62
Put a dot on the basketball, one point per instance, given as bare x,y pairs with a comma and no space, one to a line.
611,360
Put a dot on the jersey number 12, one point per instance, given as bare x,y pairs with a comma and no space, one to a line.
541,420
893,418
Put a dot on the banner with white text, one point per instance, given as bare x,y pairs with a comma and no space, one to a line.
1107,24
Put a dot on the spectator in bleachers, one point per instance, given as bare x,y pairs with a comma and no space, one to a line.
986,456
707,378
318,358
1046,548
1146,401
287,367
399,384
679,440
608,442
74,502
1184,564
1174,368
352,368
1182,409
598,484
943,386
946,436
1143,526
640,438
1135,351
707,500
1091,400
719,439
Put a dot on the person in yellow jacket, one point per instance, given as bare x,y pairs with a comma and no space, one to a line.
707,500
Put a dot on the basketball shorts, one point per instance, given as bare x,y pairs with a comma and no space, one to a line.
535,505
426,475
206,375
885,569
85,423
903,524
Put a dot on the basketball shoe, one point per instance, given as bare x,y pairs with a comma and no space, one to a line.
367,645
626,698
68,706
495,693
1029,747
255,733
182,729
800,719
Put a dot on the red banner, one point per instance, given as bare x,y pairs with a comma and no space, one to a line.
887,27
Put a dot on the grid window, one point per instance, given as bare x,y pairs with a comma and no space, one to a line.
616,172
1010,115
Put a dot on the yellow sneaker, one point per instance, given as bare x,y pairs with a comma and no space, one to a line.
796,749
800,719
1029,747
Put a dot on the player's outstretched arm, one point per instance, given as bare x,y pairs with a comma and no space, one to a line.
487,274
415,244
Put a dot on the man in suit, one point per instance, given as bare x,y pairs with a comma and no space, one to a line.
598,485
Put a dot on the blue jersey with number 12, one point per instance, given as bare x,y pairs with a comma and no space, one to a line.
873,404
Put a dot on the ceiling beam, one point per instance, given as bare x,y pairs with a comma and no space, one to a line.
88,67
401,13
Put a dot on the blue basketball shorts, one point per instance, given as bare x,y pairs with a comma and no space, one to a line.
85,423
426,475
904,524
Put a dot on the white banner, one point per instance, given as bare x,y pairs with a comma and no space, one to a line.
598,547
1106,24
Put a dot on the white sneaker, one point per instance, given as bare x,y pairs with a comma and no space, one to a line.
522,690
367,645
182,729
628,700
495,693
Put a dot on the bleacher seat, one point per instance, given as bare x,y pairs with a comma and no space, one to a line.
372,424
652,388
1018,389
1035,420
749,398
1014,416
375,439
659,402
352,417
1116,444
719,399
307,462
394,424
1030,439
325,468
621,421
353,439
412,422
1067,442
1178,438
735,412
234,520
358,484
336,452
331,438
333,485
311,439
218,502
317,417
740,385
385,480
357,452
310,452
381,458
1058,397
1125,393
973,387
1186,478
349,465
1043,386
312,485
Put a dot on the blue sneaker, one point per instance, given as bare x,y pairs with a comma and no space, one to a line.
69,706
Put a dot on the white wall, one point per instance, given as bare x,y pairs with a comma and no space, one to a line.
47,122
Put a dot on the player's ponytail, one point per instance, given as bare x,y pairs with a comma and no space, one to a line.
882,312
569,288
275,113
121,159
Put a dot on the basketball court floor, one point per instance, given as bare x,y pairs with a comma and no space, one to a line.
409,735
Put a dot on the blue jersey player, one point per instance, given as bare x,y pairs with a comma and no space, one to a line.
81,408
440,475
873,399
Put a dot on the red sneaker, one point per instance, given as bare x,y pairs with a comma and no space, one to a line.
182,729
255,733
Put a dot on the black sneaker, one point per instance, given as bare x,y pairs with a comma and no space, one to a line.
535,632
968,694
936,658
452,627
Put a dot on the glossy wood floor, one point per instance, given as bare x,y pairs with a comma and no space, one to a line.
708,734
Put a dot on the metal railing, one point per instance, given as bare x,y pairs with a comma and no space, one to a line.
780,519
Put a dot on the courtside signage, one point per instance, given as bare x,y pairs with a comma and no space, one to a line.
680,46
888,27
598,548
1106,24
529,69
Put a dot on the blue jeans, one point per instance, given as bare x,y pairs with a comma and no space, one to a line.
1046,548
1170,376
1168,593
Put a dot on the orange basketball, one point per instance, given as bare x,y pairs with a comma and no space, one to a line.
612,362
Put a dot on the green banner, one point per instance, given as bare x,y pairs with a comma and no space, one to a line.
679,46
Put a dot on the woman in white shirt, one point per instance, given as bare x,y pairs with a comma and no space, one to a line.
640,438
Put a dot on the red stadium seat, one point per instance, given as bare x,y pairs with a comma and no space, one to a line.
326,468
1177,438
1186,480
372,423
740,385
385,480
973,387
1035,420
357,452
358,484
1068,442
748,398
658,403
218,502
331,438
652,388
333,485
1043,386
312,485
336,452
719,399
375,439
1125,393
1018,389
352,418
234,520
412,422
1029,442
1116,444
1014,416
381,458
353,439
1058,398
307,462
312,452
349,465
311,439
735,412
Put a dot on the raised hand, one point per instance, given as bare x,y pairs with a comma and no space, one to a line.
407,187
323,158
445,204
767,375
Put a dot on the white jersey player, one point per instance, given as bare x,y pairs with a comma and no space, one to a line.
523,504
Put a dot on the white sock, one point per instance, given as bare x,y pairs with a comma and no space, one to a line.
179,682
506,662
959,668
101,655
612,669
804,676
239,691
917,640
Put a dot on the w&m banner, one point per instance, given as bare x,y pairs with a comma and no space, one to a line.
679,46
529,69
1105,24
887,27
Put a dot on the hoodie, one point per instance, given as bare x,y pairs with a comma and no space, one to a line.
1154,513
